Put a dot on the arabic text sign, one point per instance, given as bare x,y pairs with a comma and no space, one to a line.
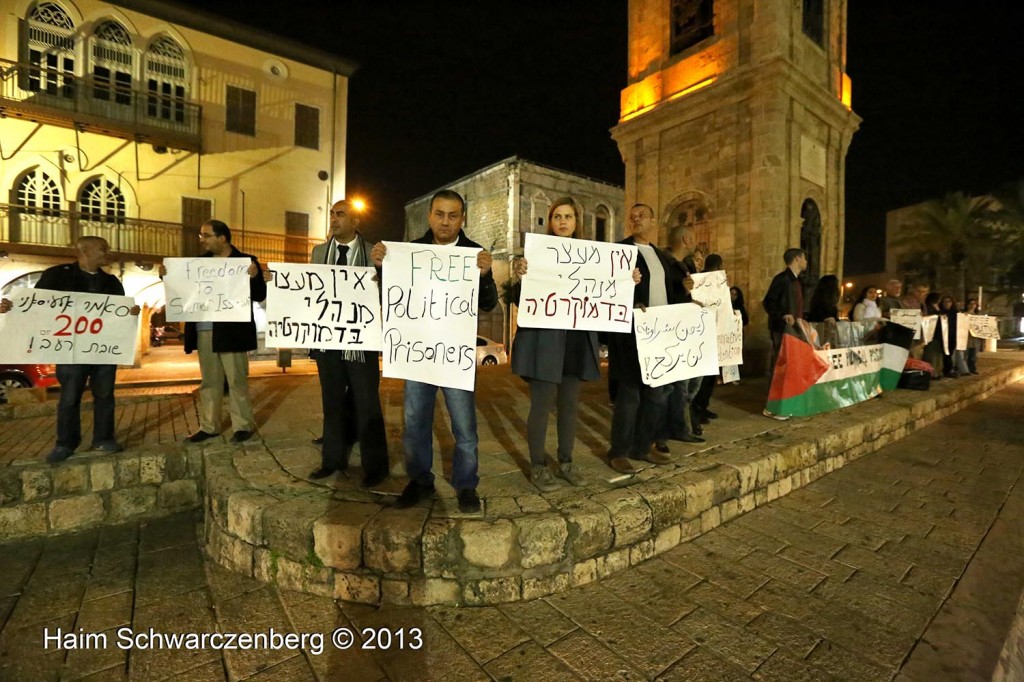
68,328
676,342
712,290
431,294
329,307
983,326
730,341
207,290
577,284
910,318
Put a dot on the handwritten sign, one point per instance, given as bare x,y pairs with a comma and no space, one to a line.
910,318
928,326
712,290
983,326
68,328
962,331
207,290
431,295
577,284
676,342
328,307
730,341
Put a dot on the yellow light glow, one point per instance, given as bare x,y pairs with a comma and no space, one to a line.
696,86
359,205
847,94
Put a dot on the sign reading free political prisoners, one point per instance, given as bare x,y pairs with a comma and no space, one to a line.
328,307
431,295
207,289
676,342
577,284
68,328
712,290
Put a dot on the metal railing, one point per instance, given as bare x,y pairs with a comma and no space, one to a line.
142,238
60,97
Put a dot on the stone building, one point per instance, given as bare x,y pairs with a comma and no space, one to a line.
137,120
736,120
509,198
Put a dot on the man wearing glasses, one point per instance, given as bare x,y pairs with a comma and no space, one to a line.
223,348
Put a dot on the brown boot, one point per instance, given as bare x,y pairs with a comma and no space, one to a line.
622,465
655,457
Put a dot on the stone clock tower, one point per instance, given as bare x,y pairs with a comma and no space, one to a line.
736,121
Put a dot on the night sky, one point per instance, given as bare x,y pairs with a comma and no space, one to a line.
444,89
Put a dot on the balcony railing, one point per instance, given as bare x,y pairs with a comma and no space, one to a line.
135,238
48,95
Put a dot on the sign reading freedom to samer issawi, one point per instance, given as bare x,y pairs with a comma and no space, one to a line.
329,307
207,289
676,342
431,294
577,284
68,328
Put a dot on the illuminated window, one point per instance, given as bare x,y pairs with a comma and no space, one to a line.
38,193
692,21
166,80
102,201
814,21
112,58
49,48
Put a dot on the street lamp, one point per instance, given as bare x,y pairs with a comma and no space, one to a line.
359,205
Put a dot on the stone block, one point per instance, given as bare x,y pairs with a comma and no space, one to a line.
288,526
730,509
534,588
392,540
69,479
542,540
231,552
613,562
431,591
667,539
699,490
245,514
488,544
441,550
132,502
151,469
81,511
35,484
590,528
584,573
488,592
10,486
264,564
176,465
338,535
22,520
630,515
641,552
290,575
126,472
394,592
666,500
710,520
180,494
319,581
689,530
353,587
101,475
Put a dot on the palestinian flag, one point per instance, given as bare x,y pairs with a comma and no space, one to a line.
807,381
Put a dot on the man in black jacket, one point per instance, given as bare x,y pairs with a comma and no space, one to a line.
84,276
223,348
784,301
447,213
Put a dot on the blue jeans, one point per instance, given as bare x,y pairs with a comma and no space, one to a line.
419,433
72,380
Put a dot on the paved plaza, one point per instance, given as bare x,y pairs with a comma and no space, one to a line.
906,564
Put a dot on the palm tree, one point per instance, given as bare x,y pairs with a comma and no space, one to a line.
960,232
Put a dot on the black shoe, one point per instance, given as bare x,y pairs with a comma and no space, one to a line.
322,472
319,440
413,493
241,436
690,439
704,419
697,430
662,446
200,436
469,501
710,415
371,480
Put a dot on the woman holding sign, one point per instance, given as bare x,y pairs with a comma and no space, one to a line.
554,362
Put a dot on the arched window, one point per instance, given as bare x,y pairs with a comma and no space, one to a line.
49,48
166,80
102,200
810,241
38,193
37,217
602,220
112,63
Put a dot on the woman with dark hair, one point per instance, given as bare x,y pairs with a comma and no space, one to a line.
736,294
933,350
825,300
953,364
866,307
554,362
974,345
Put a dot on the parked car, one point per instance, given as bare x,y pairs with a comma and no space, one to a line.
490,352
25,376
161,334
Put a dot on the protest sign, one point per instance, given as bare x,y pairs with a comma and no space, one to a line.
676,342
207,289
68,328
730,374
907,317
983,326
944,331
431,295
730,341
577,284
962,331
328,307
711,289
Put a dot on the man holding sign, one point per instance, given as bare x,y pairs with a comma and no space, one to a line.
84,276
447,214
223,346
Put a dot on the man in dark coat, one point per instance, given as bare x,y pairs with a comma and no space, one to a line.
784,301
86,275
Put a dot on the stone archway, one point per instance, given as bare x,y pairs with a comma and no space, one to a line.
694,211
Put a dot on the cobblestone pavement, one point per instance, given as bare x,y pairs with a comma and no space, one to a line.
907,563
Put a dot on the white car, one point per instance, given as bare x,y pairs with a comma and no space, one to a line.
490,352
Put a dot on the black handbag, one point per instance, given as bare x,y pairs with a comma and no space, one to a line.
915,380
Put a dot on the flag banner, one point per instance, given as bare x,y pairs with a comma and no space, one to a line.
327,307
60,327
431,296
983,326
577,284
207,289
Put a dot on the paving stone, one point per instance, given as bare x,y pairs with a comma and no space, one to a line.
168,572
295,668
592,660
530,661
655,589
845,665
167,532
539,620
486,633
105,613
719,570
703,666
723,602
237,615
733,643
45,599
785,668
781,568
184,613
786,632
93,661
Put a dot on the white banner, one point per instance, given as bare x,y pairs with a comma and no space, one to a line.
577,284
207,289
929,325
712,290
847,363
962,331
983,326
944,330
730,341
431,296
676,342
328,307
68,328
908,317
